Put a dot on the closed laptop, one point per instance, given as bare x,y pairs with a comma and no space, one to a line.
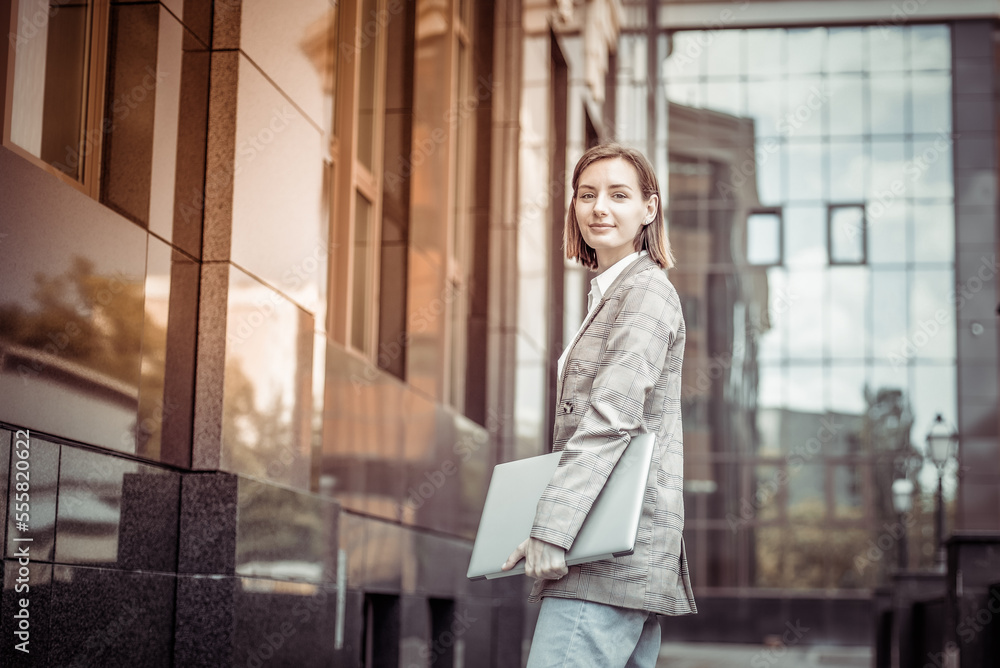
610,528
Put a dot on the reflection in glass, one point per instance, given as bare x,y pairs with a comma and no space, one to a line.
847,312
725,96
765,53
686,58
887,49
890,318
764,238
933,233
764,106
111,512
930,47
887,230
807,100
767,492
930,170
931,103
771,338
725,58
806,47
845,50
687,93
932,327
806,391
887,104
805,171
367,81
846,104
848,492
847,234
805,314
51,84
848,171
850,133
890,173
846,388
805,236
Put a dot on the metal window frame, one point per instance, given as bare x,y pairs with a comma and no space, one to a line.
98,17
831,260
779,213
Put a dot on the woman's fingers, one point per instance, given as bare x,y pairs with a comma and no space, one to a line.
515,556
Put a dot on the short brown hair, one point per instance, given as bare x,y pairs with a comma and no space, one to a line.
652,237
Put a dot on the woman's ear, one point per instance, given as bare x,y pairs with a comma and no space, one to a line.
651,206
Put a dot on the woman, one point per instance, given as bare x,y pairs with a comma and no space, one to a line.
620,376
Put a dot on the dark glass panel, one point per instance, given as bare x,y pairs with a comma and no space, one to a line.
115,512
267,405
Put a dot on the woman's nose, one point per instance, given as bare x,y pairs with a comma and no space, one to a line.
601,204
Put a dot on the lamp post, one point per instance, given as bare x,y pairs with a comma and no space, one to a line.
902,501
941,440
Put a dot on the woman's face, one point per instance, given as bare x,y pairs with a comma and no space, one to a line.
610,209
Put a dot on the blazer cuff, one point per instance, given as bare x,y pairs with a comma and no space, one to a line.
557,538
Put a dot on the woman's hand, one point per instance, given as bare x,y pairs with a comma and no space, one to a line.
542,561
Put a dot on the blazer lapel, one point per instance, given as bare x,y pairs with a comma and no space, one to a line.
640,263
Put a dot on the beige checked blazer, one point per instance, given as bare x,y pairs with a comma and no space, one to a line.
622,376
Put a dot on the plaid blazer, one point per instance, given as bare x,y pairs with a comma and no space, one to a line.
622,376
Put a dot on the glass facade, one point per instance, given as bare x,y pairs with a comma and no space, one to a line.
811,204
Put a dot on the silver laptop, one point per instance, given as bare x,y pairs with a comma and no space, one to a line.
512,498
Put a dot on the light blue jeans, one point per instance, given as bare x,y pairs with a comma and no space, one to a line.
579,634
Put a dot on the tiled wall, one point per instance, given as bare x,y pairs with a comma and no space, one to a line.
132,563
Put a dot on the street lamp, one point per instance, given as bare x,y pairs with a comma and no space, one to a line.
941,440
902,501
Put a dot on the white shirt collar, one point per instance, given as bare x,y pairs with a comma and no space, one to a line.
600,283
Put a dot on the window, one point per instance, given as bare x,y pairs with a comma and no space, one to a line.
403,190
764,237
357,161
461,223
846,234
57,88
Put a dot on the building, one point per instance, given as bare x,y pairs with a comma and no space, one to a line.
271,310
832,202
281,283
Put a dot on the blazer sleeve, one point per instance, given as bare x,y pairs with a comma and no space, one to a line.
638,343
